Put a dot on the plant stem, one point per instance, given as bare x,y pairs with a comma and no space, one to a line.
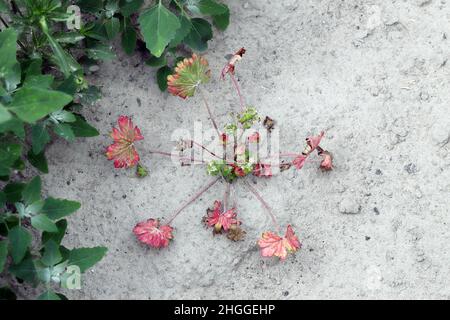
204,148
226,196
209,112
192,199
168,154
236,85
264,203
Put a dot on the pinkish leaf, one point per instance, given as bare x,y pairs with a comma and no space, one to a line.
221,220
272,244
122,151
327,161
229,67
312,143
150,233
262,170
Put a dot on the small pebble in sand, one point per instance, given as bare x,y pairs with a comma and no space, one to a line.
349,206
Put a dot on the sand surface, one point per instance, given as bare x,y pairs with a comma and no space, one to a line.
373,74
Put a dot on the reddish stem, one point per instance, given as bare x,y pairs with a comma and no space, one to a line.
226,196
209,112
204,148
264,203
236,85
192,199
163,153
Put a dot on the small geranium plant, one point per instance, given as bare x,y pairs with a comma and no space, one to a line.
239,158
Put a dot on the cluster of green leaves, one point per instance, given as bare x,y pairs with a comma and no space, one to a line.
179,25
42,91
230,172
44,261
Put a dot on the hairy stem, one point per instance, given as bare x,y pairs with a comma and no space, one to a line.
264,203
238,90
205,101
168,154
204,148
226,196
192,199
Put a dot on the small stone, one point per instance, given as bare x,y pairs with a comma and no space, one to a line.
367,238
285,293
411,168
375,209
349,206
378,172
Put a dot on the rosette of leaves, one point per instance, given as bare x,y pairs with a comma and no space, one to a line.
31,232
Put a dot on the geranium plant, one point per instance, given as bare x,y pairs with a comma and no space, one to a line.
238,158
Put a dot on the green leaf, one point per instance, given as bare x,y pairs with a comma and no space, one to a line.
128,7
61,58
90,95
222,21
182,32
19,241
8,61
13,191
24,270
211,7
3,254
3,6
81,128
38,161
63,116
91,6
31,104
32,192
85,258
39,137
2,200
64,130
9,153
161,77
112,27
158,26
199,35
51,254
49,295
39,81
100,52
43,223
157,62
69,37
129,38
56,209
4,114
56,236
15,126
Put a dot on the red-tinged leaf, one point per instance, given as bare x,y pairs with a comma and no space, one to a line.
230,66
327,161
122,151
150,233
262,170
272,245
312,143
189,74
254,137
221,220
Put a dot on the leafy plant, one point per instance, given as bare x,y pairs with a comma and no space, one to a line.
31,232
234,158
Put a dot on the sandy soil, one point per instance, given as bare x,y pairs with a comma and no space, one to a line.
372,74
